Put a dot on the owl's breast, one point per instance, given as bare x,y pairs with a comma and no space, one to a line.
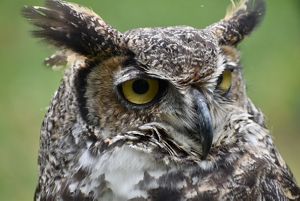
120,174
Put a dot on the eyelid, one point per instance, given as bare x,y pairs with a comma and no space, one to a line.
130,70
232,66
128,73
131,73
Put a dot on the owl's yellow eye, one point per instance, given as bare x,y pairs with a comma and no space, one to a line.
140,91
224,81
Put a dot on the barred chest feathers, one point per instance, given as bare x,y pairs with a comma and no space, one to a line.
122,170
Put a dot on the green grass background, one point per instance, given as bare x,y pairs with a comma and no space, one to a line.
271,57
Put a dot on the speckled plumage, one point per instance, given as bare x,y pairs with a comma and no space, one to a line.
194,143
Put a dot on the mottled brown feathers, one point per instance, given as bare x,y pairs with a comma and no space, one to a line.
74,27
241,19
193,141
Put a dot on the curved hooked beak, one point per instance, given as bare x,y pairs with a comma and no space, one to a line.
204,122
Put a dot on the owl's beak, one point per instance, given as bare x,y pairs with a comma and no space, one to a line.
204,122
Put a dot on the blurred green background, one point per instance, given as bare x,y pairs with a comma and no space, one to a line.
271,57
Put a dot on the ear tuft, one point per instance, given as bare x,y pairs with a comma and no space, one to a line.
70,26
241,19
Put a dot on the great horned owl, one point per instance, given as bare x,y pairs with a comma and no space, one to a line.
154,114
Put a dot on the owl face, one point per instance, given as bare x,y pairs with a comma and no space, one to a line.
182,81
170,78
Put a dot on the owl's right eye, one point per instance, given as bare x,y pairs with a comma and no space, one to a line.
142,91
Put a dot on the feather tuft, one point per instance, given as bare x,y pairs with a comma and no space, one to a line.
70,26
240,20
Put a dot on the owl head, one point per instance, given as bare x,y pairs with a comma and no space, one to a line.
177,89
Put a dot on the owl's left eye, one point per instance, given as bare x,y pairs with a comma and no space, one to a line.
224,81
141,91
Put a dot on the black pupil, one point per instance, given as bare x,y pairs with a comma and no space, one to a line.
220,79
140,86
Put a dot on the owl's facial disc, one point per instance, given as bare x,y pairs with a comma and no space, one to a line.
204,121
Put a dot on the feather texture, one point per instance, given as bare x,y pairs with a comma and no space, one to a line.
74,27
194,141
240,20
